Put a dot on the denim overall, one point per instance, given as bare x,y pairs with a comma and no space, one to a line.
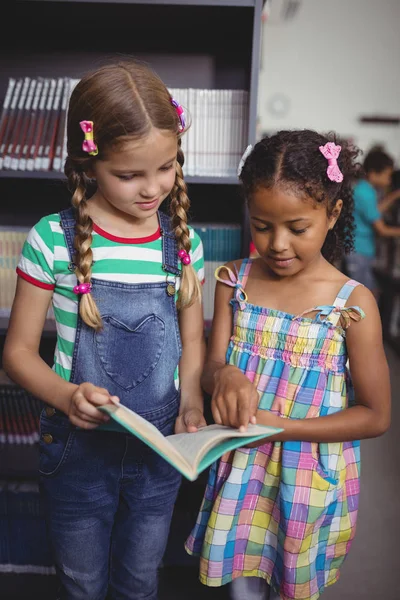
109,498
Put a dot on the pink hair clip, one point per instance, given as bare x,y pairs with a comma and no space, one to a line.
82,288
331,152
180,113
184,256
88,144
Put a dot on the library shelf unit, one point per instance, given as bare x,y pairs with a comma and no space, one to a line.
209,44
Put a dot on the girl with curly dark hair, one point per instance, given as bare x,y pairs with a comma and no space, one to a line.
282,513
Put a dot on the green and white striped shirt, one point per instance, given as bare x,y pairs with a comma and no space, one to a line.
44,262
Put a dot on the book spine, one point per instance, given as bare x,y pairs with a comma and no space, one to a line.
10,121
31,126
17,151
46,123
30,162
6,107
59,142
48,151
16,131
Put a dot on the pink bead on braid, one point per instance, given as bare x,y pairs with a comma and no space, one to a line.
185,257
82,288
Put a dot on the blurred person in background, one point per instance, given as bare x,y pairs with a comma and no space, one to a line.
371,201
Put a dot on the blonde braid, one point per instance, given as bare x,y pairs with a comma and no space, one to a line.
190,289
84,256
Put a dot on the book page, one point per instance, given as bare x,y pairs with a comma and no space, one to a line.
194,446
187,452
147,432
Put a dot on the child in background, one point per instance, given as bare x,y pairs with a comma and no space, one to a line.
282,514
368,211
124,280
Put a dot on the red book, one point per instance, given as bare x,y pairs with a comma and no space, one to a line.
9,128
16,131
26,111
32,151
47,116
31,125
6,107
50,136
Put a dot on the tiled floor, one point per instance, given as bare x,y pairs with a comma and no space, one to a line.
372,568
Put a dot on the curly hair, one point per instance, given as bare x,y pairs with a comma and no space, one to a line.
292,159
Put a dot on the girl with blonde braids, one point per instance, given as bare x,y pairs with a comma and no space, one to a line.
124,280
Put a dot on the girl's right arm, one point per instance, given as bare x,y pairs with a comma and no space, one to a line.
23,363
234,397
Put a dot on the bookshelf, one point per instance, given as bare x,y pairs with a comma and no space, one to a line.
208,44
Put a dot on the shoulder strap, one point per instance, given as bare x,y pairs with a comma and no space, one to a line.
68,222
244,271
354,312
345,292
169,245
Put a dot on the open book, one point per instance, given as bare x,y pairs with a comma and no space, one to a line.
189,453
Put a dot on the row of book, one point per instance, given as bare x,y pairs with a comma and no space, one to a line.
32,123
221,243
33,126
218,131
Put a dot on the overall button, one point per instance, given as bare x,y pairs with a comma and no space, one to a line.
170,289
47,438
50,411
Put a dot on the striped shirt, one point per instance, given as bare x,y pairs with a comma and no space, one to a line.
45,259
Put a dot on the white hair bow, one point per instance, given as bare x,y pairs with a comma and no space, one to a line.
243,159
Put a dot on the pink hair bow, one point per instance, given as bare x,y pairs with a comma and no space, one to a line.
88,144
331,152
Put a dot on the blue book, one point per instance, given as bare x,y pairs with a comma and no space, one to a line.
189,453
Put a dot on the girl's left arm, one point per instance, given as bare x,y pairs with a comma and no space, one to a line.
191,324
370,416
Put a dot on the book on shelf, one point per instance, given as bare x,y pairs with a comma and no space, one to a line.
6,108
189,453
38,128
57,163
33,133
39,156
49,137
25,114
221,244
22,161
10,122
17,126
12,240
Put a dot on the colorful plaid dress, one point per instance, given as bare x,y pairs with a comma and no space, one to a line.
285,511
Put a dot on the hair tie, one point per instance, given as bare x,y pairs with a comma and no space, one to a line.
185,257
331,152
82,288
180,113
88,144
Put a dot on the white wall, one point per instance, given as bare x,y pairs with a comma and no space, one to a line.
334,61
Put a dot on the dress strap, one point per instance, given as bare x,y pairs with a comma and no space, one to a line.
339,314
235,281
244,271
345,292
